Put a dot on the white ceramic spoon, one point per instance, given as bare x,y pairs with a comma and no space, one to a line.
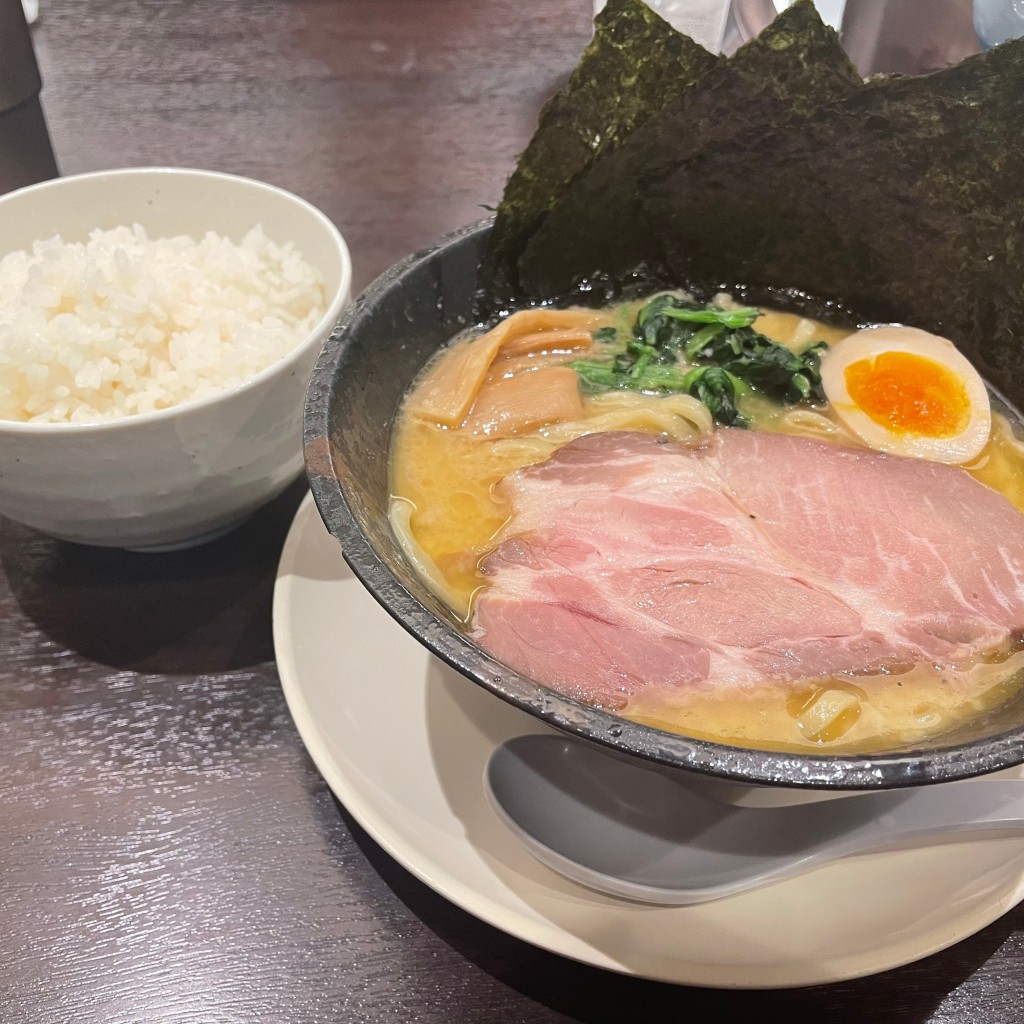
634,832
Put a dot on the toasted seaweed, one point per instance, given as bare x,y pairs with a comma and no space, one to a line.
780,174
595,226
903,201
635,64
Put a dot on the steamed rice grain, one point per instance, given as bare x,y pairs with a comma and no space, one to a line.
124,324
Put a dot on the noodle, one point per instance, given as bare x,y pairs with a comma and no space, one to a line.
400,513
808,423
678,416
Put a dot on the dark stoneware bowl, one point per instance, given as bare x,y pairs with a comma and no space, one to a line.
386,337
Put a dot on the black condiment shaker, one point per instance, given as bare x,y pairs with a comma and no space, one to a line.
26,155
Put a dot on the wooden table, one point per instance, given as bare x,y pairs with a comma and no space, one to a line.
167,850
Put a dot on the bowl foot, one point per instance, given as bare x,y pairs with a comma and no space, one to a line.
189,542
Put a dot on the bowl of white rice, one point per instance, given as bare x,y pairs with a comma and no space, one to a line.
157,330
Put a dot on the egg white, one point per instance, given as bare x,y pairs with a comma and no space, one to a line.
873,342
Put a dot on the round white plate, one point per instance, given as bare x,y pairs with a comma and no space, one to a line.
402,740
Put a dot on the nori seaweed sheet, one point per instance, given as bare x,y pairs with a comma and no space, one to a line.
905,202
774,173
595,227
635,64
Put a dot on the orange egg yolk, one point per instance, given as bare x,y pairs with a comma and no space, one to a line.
910,394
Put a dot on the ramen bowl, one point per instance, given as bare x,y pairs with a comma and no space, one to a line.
366,366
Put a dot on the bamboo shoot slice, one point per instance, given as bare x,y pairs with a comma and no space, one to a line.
571,339
514,404
450,388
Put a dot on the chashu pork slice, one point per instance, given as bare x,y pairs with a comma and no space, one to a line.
633,562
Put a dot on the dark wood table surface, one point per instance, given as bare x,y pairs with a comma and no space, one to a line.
167,850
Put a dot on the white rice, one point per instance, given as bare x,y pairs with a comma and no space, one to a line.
125,324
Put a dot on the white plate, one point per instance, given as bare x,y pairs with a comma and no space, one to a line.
402,740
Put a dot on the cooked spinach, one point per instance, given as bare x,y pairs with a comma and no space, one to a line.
712,385
716,388
671,332
665,311
773,369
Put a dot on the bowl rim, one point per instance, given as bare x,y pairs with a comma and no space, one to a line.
708,758
334,305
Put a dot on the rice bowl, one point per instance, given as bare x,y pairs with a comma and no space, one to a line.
172,476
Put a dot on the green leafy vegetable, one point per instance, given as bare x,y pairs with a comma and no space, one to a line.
712,385
773,369
716,388
669,329
701,338
660,322
672,308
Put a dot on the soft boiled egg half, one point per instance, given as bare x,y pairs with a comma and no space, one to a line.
908,392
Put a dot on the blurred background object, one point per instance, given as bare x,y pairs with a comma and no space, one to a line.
995,21
26,155
702,20
746,18
881,36
908,36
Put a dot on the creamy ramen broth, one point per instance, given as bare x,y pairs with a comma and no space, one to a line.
445,508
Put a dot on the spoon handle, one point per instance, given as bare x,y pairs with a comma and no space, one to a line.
624,830
947,811
956,808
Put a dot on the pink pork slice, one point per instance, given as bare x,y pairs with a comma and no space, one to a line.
631,562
